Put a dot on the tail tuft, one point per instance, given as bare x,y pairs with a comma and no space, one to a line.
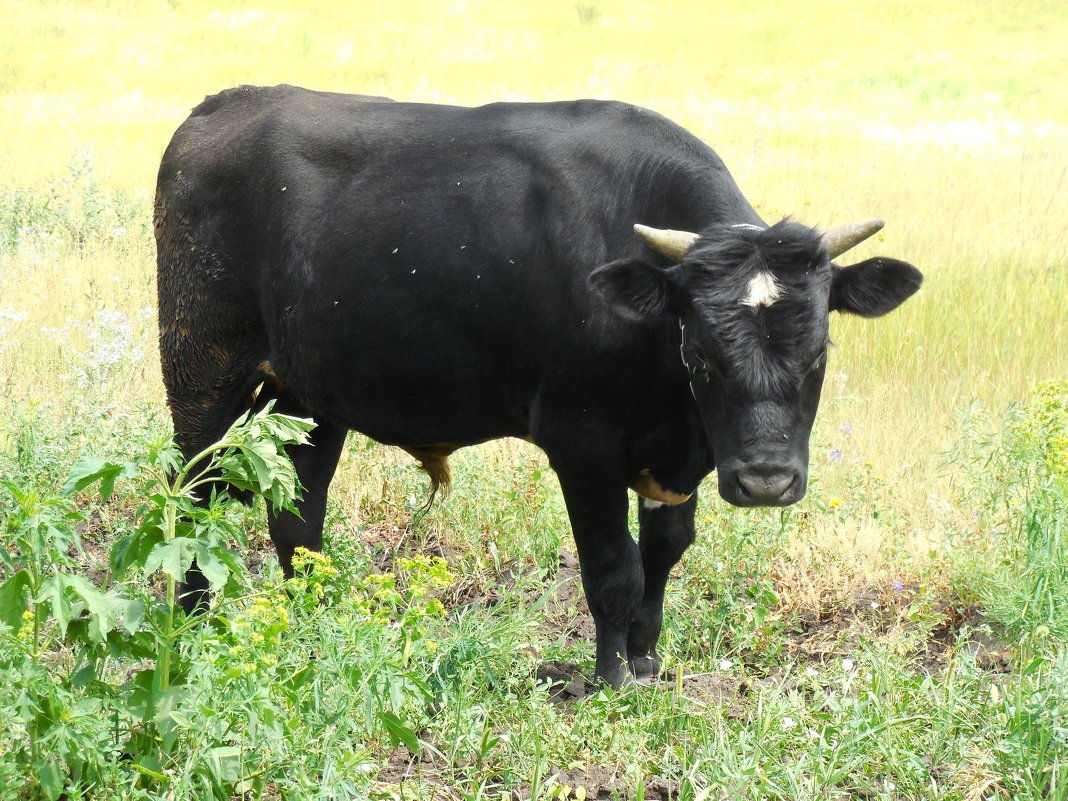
434,460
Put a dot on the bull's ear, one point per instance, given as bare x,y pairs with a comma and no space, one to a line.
873,287
637,289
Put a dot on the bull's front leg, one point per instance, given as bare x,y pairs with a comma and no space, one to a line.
611,565
665,532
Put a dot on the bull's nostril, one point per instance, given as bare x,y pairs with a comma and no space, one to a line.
750,484
777,486
765,489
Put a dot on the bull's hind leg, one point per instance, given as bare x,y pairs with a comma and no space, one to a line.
202,413
210,354
665,532
315,464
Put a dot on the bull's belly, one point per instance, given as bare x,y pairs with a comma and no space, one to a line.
413,402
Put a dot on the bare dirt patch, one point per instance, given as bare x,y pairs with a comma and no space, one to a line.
935,627
565,681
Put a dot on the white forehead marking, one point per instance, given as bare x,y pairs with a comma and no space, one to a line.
750,226
651,505
764,290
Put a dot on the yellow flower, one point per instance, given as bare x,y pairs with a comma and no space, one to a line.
834,503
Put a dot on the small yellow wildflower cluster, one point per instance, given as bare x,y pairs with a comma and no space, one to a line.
426,571
256,634
315,574
26,631
404,596
304,560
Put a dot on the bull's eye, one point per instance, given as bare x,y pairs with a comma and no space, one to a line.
702,363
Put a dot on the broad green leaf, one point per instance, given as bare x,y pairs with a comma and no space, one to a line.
166,701
84,675
90,469
129,613
15,598
97,604
263,472
173,558
134,550
51,593
213,568
224,763
398,732
181,718
67,595
50,777
141,700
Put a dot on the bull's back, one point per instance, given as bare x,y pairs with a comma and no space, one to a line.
398,262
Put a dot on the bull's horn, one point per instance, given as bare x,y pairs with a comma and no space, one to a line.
841,238
673,244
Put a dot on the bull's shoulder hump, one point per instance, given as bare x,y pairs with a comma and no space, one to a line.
613,113
257,98
604,122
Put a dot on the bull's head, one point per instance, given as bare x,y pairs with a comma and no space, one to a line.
753,305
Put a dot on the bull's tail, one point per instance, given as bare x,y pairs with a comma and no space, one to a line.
434,460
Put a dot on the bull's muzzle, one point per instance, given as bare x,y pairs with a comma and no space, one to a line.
763,485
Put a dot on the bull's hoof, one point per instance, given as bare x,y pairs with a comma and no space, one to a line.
645,668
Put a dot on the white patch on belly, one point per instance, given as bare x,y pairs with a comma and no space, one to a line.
651,505
764,290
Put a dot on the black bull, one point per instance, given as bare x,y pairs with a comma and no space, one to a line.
436,277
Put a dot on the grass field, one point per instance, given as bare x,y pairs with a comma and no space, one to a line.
899,634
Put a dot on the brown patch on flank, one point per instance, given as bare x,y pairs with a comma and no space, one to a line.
270,378
270,381
648,487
